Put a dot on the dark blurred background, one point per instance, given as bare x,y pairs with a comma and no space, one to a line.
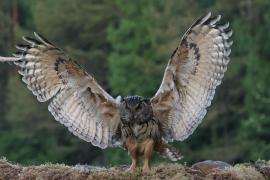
125,45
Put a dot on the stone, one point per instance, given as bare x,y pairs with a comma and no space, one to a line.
208,166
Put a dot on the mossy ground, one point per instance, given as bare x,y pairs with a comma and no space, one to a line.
10,170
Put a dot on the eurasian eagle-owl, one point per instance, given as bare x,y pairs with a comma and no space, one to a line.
140,125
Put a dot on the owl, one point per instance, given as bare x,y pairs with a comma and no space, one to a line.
138,124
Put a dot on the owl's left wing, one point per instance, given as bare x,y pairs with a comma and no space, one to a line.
77,100
194,71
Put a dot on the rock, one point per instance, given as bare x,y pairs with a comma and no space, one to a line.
208,166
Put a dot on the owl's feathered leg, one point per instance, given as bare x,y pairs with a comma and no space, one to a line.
148,150
134,164
133,151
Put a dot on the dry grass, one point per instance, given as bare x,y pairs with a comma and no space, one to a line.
163,171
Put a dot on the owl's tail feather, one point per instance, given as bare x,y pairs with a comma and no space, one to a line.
167,151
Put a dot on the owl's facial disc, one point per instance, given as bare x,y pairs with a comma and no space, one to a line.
135,109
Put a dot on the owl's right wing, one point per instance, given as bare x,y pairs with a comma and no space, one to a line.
194,71
77,100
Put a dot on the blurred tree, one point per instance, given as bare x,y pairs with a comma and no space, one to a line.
138,43
80,29
133,62
6,40
255,130
142,43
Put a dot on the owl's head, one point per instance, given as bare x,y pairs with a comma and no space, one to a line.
135,109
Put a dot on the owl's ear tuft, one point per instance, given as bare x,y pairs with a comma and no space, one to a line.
119,99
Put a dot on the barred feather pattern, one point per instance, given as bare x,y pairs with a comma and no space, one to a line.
38,62
194,71
79,112
167,151
77,101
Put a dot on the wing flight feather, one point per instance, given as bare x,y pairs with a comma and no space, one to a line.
195,69
77,100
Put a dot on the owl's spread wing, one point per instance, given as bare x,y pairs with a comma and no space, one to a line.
194,71
77,101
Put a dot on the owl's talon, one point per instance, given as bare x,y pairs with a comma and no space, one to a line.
146,171
131,169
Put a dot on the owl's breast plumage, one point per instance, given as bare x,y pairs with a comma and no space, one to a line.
142,132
